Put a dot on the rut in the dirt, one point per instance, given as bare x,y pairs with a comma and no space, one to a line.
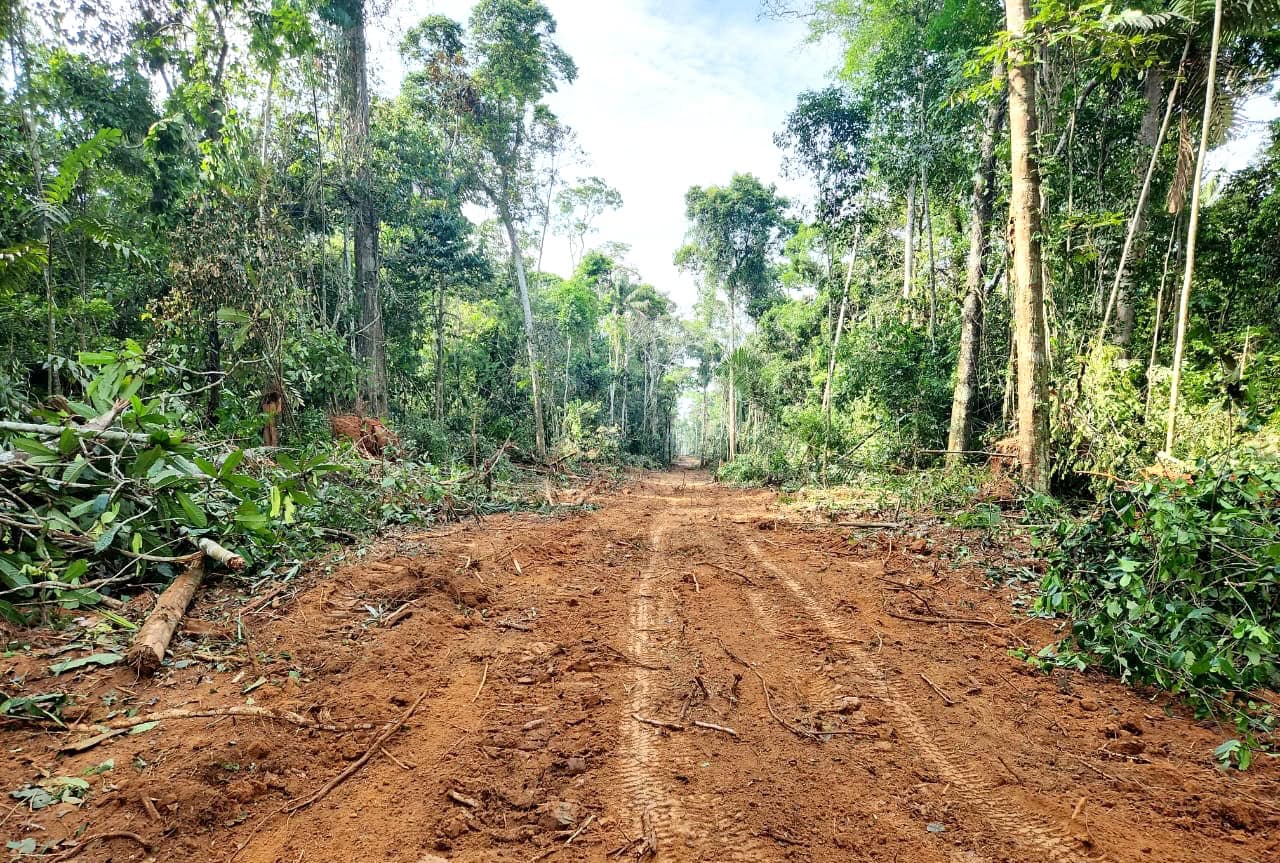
581,678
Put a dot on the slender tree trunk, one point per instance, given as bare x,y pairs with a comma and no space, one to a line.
439,350
353,89
568,357
733,396
984,181
1024,208
909,243
517,260
1159,316
1153,136
927,225
1193,228
835,340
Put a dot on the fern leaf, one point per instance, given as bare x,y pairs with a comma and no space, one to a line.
76,162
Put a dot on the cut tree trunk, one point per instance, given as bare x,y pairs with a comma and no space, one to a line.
1024,209
984,189
149,645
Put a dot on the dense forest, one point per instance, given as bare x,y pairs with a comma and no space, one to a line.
249,302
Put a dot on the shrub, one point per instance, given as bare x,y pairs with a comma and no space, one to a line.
1176,583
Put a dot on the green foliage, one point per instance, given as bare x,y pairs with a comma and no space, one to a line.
1176,583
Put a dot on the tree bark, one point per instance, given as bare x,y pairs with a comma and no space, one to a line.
371,346
1024,208
522,282
149,645
909,243
440,350
984,181
835,341
733,397
1153,136
1193,227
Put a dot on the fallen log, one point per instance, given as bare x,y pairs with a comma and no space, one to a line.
149,645
46,430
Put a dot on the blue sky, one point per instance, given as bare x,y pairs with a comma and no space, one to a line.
668,95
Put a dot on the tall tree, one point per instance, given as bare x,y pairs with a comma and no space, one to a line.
734,231
492,80
975,294
353,98
1024,212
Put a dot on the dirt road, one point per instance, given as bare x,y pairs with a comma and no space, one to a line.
688,673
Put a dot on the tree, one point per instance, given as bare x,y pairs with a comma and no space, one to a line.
1024,212
734,231
578,208
976,290
491,80
353,94
1184,297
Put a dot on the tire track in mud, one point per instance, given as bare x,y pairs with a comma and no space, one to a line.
689,824
1000,813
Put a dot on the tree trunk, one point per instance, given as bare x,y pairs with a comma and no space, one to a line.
568,356
927,226
1193,227
835,341
517,260
440,350
1024,209
733,397
1159,316
371,346
909,243
984,181
1152,135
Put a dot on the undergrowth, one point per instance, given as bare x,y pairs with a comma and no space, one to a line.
1175,583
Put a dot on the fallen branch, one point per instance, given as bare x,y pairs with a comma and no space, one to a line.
964,621
247,711
723,568
152,640
224,556
768,700
712,727
462,799
946,698
658,723
383,736
483,677
98,837
585,825
83,431
872,525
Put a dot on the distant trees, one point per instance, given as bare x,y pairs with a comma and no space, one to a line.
733,231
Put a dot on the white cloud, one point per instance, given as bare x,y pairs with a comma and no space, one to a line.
668,95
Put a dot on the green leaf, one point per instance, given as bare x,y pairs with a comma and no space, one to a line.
83,661
195,516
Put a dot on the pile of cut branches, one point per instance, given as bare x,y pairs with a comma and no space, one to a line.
115,489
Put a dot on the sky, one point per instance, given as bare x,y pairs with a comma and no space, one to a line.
683,92
669,95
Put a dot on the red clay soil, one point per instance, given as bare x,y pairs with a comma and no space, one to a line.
688,673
